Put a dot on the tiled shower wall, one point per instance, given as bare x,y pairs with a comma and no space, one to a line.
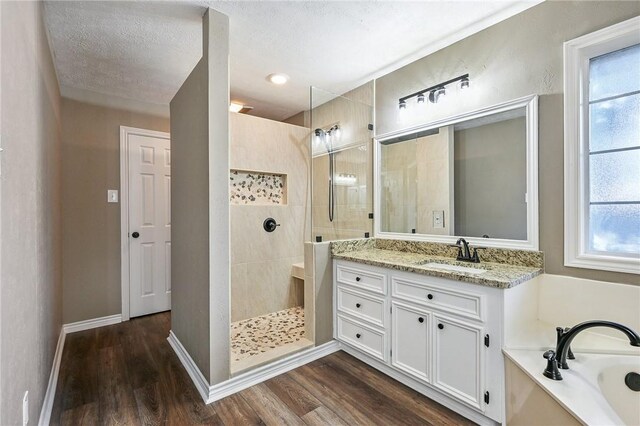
261,262
353,191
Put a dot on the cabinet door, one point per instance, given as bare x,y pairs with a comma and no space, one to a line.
410,340
458,360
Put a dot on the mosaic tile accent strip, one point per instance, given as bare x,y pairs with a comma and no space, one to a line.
246,187
261,334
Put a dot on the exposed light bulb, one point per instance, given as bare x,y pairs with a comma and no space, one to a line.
402,105
337,132
420,98
464,83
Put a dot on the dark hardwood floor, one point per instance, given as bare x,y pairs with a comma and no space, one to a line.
128,374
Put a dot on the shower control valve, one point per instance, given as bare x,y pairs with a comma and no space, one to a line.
270,224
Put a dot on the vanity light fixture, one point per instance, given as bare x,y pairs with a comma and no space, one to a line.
436,92
464,83
278,78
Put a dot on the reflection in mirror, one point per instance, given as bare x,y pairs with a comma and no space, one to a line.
463,178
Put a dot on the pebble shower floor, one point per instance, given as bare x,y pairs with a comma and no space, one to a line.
261,334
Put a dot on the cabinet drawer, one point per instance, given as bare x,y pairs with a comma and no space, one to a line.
365,338
368,308
366,280
464,304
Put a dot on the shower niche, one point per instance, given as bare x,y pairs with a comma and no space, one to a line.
257,188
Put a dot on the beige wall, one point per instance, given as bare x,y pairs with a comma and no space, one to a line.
491,180
261,280
517,57
30,229
353,202
200,205
91,226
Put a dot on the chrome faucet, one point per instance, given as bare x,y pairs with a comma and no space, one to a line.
464,252
558,358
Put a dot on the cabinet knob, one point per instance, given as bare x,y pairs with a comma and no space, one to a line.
440,326
135,234
357,278
357,305
429,296
358,336
420,319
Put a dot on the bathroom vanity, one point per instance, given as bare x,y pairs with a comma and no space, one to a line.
411,311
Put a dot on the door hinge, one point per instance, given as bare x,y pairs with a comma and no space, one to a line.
486,340
486,397
390,353
391,309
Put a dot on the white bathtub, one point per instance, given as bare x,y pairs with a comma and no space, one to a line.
592,390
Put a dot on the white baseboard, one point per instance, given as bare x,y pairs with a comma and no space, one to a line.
47,404
260,374
92,323
194,372
235,384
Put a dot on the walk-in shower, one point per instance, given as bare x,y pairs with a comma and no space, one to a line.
341,164
327,137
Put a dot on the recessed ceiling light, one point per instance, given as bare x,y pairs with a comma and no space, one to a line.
278,78
238,107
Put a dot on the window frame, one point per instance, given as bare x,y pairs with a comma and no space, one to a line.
577,53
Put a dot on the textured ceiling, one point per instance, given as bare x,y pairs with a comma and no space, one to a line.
143,51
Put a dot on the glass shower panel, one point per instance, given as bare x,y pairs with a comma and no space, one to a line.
342,164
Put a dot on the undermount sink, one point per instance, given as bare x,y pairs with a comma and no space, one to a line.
455,268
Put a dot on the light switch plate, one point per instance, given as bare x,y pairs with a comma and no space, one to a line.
438,219
112,196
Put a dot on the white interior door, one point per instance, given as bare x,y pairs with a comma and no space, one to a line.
149,224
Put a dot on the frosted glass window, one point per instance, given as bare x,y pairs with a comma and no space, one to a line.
615,176
615,123
615,228
615,73
614,152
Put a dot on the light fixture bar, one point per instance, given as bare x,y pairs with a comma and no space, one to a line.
434,87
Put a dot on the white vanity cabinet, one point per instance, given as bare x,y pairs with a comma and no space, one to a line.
441,337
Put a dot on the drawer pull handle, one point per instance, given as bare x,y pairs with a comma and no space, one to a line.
358,305
357,278
358,336
440,326
429,296
421,319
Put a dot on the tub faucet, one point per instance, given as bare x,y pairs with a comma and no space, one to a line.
558,358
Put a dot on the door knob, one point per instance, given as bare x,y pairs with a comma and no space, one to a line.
135,234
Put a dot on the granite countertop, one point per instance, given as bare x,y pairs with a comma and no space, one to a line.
498,275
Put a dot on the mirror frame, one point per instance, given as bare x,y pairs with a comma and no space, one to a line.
530,103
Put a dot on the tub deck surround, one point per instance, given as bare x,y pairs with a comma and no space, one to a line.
504,268
586,390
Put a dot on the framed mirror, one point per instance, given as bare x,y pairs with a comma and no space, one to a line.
474,175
